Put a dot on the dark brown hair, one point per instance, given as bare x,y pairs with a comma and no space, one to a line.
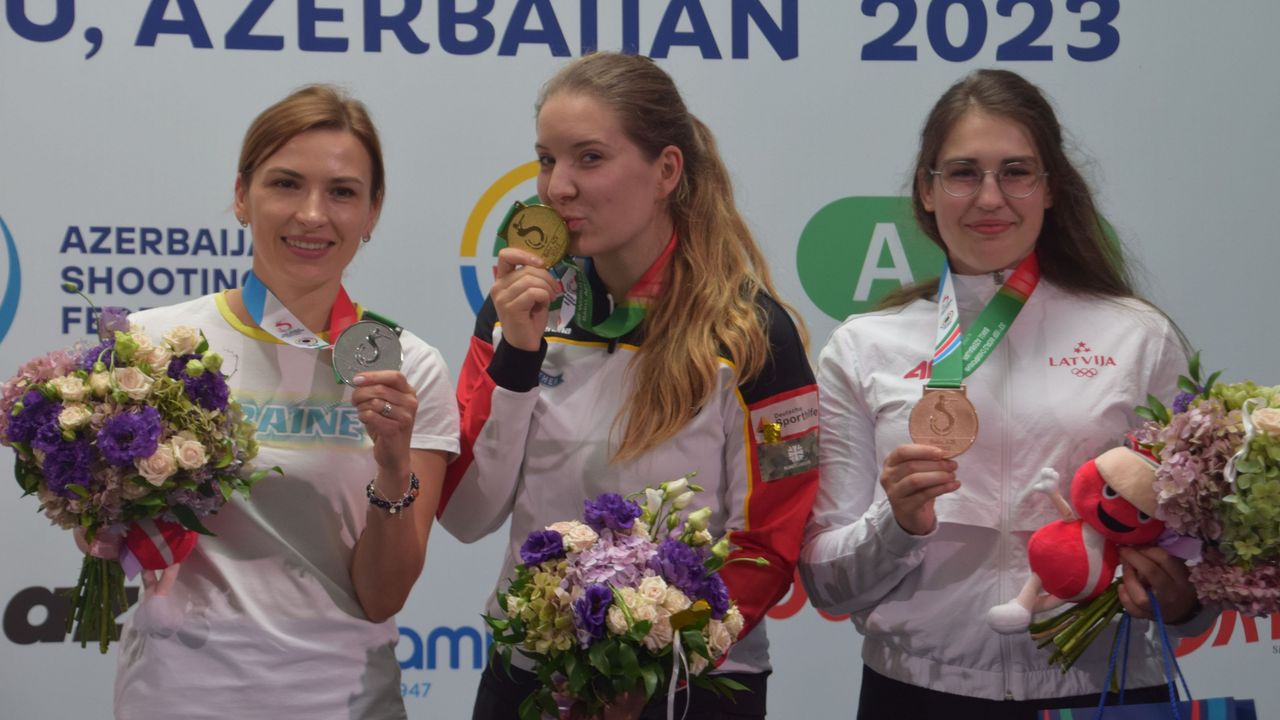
1073,249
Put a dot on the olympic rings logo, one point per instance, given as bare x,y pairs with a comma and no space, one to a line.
1084,372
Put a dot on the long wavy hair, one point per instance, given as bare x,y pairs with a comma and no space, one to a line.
1073,249
708,304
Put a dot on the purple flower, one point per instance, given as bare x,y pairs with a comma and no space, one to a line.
713,590
610,510
111,319
618,560
98,352
681,566
38,412
209,391
589,613
1182,401
541,546
68,463
129,436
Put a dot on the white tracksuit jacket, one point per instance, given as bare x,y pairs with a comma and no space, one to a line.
1059,389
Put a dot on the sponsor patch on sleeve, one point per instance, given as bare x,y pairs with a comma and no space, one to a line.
789,457
795,414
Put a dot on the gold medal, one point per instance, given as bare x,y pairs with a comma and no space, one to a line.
945,419
538,229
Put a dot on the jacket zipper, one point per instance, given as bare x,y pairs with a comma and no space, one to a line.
1006,642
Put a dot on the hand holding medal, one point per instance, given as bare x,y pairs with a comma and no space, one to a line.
524,289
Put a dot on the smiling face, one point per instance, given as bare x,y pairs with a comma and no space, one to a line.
309,204
986,231
613,197
1100,506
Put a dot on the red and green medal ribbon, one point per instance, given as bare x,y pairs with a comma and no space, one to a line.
957,354
627,314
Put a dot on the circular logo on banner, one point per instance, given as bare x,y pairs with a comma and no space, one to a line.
856,249
482,230
12,284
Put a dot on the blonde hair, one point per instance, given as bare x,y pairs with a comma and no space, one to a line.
313,107
700,315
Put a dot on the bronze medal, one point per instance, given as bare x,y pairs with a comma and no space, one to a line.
366,345
538,229
945,419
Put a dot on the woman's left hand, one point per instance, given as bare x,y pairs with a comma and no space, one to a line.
387,406
1166,576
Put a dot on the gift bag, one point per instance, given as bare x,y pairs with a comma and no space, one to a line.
1223,708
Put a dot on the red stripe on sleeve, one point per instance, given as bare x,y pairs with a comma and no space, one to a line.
475,394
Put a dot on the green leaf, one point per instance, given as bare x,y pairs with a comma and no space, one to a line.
1145,413
598,656
629,662
1193,367
189,519
730,683
1186,385
1157,407
1208,384
78,490
650,677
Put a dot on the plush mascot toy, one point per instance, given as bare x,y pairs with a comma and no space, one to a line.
1075,559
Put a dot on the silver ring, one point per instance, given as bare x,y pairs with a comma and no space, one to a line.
386,409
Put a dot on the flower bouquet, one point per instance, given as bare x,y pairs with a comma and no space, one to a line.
1217,489
621,603
129,444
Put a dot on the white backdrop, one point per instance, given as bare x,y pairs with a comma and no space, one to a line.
120,123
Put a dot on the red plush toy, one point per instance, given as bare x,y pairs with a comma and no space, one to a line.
1075,559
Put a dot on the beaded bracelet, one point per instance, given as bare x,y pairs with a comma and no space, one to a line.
393,506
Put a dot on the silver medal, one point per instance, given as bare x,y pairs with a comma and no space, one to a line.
364,346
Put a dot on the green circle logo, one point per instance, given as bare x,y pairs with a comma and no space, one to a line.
856,249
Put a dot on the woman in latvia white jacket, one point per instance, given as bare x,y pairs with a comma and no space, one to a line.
919,547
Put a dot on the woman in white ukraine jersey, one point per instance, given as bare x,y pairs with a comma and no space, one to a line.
288,609
919,547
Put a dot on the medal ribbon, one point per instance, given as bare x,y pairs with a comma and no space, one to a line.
275,319
630,312
955,355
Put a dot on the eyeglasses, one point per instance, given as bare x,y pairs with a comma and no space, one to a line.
962,178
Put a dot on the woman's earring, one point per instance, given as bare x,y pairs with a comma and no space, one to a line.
366,238
243,222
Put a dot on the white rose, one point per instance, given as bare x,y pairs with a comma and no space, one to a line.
675,601
660,633
159,467
188,451
74,416
182,339
644,611
100,384
718,638
133,382
1267,420
653,589
156,356
733,622
577,536
616,620
69,388
700,538
140,337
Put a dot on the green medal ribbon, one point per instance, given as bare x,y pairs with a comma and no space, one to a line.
955,355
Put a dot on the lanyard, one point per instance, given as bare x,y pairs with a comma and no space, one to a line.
956,355
274,318
629,313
